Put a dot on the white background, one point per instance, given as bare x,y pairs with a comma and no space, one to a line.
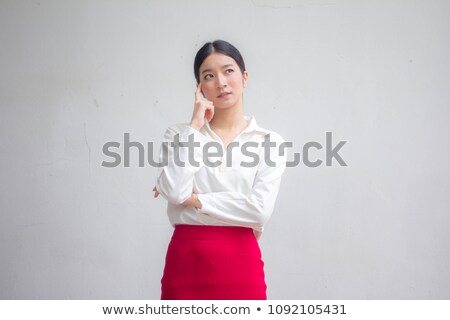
77,74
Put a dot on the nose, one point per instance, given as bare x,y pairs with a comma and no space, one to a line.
221,81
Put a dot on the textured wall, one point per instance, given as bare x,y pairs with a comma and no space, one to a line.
77,74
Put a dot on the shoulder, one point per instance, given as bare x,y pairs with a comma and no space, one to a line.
266,133
271,135
275,136
176,128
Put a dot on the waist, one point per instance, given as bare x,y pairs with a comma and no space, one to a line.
189,231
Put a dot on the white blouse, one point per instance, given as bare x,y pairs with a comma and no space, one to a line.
231,194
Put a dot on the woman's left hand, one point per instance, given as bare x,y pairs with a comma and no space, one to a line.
156,192
193,201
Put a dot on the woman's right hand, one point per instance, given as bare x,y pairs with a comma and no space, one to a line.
202,108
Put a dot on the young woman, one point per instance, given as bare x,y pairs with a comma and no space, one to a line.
219,197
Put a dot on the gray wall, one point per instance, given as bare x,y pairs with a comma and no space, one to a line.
77,74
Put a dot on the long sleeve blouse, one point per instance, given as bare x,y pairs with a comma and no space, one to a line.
237,185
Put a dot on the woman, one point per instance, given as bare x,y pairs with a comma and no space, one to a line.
219,197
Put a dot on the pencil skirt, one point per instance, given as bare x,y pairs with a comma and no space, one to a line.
206,262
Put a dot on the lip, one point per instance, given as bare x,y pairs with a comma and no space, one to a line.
223,94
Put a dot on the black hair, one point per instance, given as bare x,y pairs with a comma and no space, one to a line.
219,46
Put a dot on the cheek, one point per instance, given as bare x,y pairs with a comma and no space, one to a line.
236,82
238,85
207,88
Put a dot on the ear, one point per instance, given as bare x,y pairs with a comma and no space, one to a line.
244,79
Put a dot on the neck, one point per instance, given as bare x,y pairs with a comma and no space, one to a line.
228,119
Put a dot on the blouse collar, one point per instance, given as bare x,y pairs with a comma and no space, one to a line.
252,126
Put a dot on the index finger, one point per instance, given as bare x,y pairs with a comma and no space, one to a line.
198,95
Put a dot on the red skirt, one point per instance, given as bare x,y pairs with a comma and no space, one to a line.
213,263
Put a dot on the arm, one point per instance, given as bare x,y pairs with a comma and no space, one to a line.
253,209
175,182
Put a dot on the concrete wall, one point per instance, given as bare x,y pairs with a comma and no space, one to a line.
75,75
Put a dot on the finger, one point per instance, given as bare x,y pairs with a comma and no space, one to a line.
209,113
198,95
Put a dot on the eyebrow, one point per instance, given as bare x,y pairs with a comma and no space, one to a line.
225,66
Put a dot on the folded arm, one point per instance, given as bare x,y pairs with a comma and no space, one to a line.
175,179
252,209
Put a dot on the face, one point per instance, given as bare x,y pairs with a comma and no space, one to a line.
222,81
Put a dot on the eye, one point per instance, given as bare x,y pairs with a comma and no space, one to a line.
208,76
229,71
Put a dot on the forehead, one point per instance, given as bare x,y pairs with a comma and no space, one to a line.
216,60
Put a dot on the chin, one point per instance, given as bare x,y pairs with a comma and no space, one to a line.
223,106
